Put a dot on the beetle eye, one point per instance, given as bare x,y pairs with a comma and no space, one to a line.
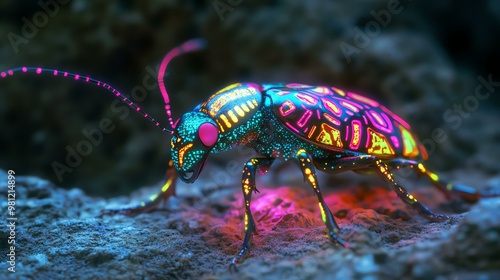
208,134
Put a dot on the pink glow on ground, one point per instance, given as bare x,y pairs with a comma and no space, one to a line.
288,219
269,198
24,69
3,74
296,206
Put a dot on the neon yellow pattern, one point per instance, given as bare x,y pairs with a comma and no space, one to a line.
378,144
245,108
225,120
239,111
181,153
153,197
329,136
224,97
167,185
229,87
323,214
433,176
246,222
233,117
409,143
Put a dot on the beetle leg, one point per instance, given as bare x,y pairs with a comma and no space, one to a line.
383,171
167,191
309,172
467,193
248,185
448,189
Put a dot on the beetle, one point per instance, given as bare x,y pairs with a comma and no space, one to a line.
320,127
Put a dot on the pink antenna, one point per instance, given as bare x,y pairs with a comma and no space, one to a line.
189,46
89,80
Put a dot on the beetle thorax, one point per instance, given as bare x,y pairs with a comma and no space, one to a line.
233,106
235,109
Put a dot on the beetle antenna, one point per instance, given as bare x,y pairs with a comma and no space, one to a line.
77,77
189,46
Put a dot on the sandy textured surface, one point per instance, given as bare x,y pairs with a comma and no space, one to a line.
59,236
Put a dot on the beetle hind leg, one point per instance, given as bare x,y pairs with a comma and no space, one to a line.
450,190
467,193
384,172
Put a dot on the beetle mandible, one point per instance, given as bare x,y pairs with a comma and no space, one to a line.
322,128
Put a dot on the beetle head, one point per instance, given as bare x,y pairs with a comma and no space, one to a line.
194,137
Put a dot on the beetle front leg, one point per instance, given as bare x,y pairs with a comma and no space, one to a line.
383,171
309,172
248,186
167,191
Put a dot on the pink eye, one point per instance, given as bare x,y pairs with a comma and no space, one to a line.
208,134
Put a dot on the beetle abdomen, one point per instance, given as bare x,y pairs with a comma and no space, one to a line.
340,121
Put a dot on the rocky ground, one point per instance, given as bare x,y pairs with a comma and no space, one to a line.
195,235
422,60
425,63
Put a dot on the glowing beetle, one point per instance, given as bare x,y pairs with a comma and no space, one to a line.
323,128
